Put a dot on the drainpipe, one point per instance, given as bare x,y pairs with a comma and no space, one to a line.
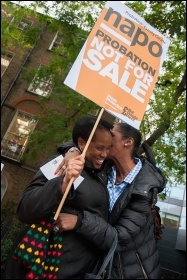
19,72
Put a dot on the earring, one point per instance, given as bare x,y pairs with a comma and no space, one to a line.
125,144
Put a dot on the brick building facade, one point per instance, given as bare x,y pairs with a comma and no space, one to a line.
19,105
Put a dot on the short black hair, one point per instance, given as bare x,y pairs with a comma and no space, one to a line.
84,126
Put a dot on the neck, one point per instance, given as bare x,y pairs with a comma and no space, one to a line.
123,169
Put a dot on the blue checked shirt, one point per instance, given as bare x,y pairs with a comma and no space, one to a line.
116,190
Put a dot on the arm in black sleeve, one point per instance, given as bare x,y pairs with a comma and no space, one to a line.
62,149
128,225
96,229
40,199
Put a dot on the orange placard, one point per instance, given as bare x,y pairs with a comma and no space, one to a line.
119,63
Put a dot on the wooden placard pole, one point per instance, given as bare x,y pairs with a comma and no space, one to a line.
83,153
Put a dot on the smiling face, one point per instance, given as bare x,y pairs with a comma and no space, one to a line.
98,148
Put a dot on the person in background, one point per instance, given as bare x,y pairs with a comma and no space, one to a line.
42,197
132,180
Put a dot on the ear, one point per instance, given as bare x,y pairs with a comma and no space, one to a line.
129,142
81,143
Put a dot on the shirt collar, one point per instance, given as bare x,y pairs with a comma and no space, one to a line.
130,177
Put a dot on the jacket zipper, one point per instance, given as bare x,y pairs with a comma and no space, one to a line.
105,187
143,270
100,179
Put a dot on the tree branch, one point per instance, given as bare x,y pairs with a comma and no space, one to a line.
164,126
165,83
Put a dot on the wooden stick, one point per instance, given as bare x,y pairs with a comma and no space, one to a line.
83,153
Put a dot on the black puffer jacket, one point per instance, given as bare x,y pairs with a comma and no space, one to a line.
41,199
137,256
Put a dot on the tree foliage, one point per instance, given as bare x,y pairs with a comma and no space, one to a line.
164,122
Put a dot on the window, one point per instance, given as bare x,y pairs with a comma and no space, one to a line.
94,112
57,42
6,58
41,86
3,185
169,220
2,165
23,23
15,140
183,218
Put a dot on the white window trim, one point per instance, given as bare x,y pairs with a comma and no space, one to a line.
6,186
38,90
9,147
30,22
54,41
12,54
94,112
51,46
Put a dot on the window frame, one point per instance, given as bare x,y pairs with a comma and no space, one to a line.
41,82
23,20
4,186
15,140
3,52
52,46
94,112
